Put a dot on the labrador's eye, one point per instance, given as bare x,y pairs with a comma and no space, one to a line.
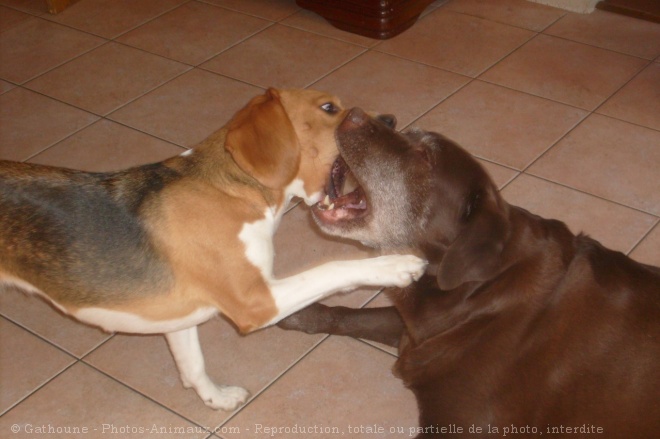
329,108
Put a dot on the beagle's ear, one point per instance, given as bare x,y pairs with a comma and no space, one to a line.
263,142
476,253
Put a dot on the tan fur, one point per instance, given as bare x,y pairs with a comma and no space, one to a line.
193,222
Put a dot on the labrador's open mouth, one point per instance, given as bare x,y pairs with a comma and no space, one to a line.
345,199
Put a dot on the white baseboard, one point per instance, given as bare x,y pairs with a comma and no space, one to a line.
581,6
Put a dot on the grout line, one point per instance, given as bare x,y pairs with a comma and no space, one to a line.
36,334
144,395
618,203
48,380
276,378
337,68
632,78
656,225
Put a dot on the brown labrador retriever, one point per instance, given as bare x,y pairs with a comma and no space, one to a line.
518,327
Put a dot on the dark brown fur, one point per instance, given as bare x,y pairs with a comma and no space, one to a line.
518,323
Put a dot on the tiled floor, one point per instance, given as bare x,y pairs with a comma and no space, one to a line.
563,110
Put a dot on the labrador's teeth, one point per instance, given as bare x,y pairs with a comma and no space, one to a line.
326,200
332,206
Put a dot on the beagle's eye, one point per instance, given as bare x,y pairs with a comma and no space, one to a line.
329,108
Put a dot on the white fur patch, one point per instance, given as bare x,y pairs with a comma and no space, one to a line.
258,240
297,189
119,321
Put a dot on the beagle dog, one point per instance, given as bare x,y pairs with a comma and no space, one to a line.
163,247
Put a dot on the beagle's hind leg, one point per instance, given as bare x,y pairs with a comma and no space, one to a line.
188,356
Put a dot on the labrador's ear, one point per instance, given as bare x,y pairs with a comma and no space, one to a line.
476,253
263,142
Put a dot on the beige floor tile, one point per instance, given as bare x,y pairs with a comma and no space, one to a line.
312,22
521,13
502,125
610,31
83,398
31,123
615,226
194,32
283,57
608,158
456,42
5,86
107,146
41,318
501,175
252,361
267,9
639,101
107,78
11,17
648,251
110,18
26,363
387,84
565,71
35,46
188,109
320,392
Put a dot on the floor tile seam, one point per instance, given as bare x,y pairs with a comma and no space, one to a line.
142,23
584,192
510,53
555,142
624,85
231,78
205,60
236,43
568,132
63,63
515,26
127,386
38,388
99,118
506,55
618,52
153,88
228,8
373,345
416,61
73,357
656,225
36,334
637,124
274,380
436,105
65,137
338,67
16,23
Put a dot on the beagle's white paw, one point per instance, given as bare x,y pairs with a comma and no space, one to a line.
397,270
225,398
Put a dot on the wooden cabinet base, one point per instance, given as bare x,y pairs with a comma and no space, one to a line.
380,19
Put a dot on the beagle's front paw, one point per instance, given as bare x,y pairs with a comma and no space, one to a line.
397,270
